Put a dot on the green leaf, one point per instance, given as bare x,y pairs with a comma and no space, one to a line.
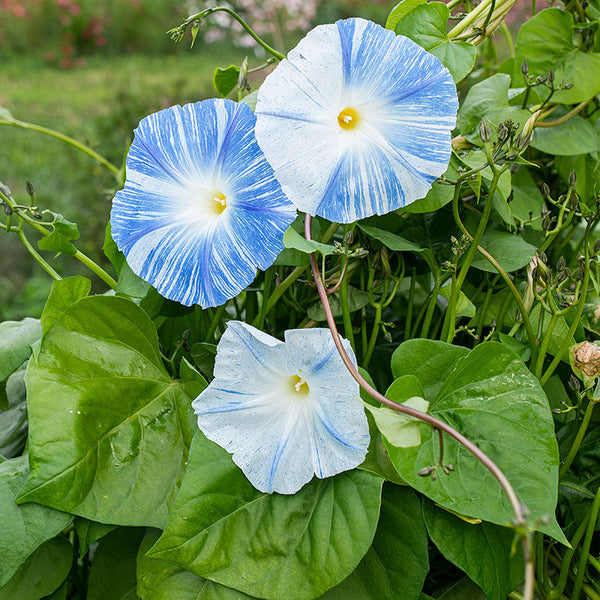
293,240
511,251
16,338
89,532
464,307
430,361
399,430
204,355
26,527
397,560
575,136
193,381
63,294
13,421
490,397
464,589
527,199
63,231
390,240
116,257
357,299
545,42
586,167
42,573
559,334
483,551
251,99
101,406
113,570
225,79
270,545
483,97
160,580
439,195
519,348
426,25
400,11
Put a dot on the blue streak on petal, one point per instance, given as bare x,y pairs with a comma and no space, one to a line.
316,367
346,31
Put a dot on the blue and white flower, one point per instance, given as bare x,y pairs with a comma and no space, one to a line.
286,411
201,209
356,121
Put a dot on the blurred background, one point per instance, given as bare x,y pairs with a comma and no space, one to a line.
92,69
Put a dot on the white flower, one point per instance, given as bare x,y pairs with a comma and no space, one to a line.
356,121
286,411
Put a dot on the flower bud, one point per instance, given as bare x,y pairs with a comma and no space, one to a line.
29,187
524,68
545,189
574,383
572,178
485,133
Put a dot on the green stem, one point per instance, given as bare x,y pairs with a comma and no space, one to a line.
347,319
585,548
469,19
205,13
587,417
97,269
580,306
565,565
283,286
68,140
214,323
539,365
430,309
374,334
475,241
260,319
409,308
36,255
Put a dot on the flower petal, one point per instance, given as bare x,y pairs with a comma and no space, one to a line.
164,220
405,107
281,437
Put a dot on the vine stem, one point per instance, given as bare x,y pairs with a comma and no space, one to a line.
424,417
68,140
202,15
581,303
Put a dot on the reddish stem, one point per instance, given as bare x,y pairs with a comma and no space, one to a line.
417,414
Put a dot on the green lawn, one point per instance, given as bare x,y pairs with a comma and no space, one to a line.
99,104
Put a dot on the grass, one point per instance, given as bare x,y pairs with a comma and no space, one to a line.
99,104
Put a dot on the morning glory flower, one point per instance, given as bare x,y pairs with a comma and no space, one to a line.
285,410
201,209
356,121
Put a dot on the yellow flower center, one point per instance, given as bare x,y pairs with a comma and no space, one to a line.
348,119
219,203
298,385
